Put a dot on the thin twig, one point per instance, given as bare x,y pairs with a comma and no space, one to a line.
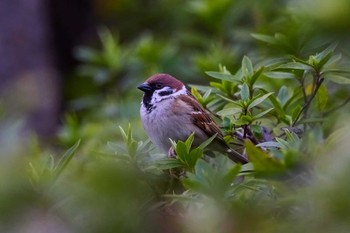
307,104
347,100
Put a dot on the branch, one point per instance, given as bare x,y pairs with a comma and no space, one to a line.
307,104
347,100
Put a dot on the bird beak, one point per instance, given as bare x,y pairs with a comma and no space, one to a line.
144,87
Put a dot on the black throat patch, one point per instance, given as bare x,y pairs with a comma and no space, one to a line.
147,97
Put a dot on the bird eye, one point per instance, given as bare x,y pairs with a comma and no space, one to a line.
159,85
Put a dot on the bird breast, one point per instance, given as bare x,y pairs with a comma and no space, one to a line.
170,118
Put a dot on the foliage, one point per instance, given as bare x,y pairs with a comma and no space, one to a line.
277,86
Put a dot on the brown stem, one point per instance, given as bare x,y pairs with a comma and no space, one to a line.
318,82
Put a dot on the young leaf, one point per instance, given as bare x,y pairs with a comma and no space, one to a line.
279,75
269,144
193,156
337,79
283,95
207,142
181,151
198,181
324,60
224,77
276,104
261,114
229,111
230,100
207,94
264,38
262,162
65,159
189,141
231,175
247,67
294,66
334,59
324,56
244,120
196,95
257,101
256,75
283,143
322,97
292,137
245,92
168,163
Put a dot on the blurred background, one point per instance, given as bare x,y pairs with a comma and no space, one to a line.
87,56
61,55
69,71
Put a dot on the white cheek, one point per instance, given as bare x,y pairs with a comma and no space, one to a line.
156,98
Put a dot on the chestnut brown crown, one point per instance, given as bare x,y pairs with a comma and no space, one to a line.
166,80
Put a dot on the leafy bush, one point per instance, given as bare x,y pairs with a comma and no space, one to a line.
278,87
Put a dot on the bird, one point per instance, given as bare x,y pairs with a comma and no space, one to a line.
169,111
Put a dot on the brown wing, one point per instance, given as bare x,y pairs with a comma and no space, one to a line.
202,119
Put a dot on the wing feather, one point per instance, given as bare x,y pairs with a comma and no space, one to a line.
201,118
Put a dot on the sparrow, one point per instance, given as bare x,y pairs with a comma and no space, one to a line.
169,111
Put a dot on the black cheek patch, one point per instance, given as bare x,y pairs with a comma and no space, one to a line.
164,93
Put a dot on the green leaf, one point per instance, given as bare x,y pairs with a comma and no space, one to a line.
189,141
261,114
207,142
65,159
181,151
325,55
198,181
224,77
324,60
229,111
262,162
292,137
167,163
245,92
214,180
322,97
283,143
294,66
337,79
196,94
230,100
125,137
279,75
283,95
193,156
207,94
256,75
244,120
277,105
337,71
247,67
257,101
264,38
230,175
